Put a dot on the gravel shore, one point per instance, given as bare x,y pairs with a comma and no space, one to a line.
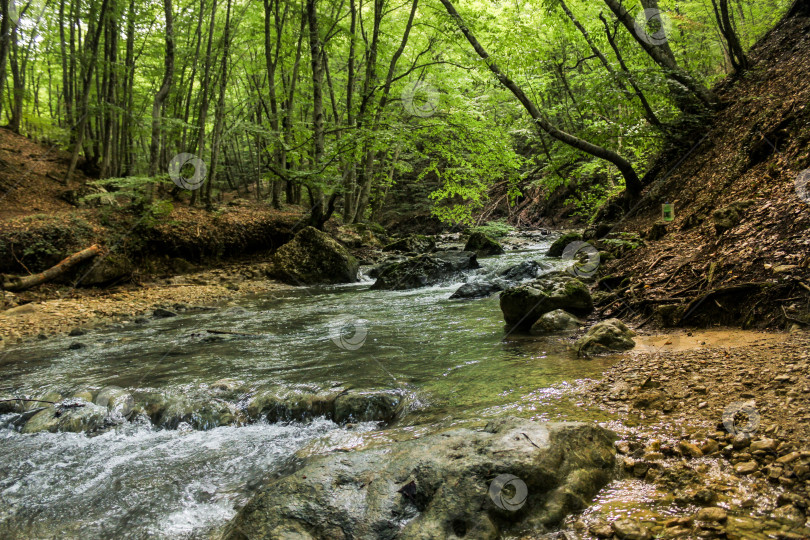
57,310
714,442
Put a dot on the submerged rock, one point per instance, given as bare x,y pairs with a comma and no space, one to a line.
515,474
281,404
337,404
524,304
606,336
313,257
116,400
555,322
71,415
425,270
374,406
482,245
476,290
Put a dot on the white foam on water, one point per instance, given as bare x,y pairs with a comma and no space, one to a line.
137,481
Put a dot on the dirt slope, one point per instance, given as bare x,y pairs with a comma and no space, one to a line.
741,174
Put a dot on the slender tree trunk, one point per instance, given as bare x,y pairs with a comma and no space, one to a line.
125,143
316,194
219,112
649,114
735,51
91,56
5,39
351,177
206,82
165,88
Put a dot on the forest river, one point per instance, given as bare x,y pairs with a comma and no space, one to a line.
451,360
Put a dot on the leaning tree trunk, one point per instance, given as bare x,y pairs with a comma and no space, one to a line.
661,57
632,182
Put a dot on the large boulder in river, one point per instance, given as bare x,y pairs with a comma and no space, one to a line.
483,245
425,270
313,257
512,476
523,271
412,244
557,248
524,304
606,336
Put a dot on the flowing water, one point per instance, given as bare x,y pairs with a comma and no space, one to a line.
452,358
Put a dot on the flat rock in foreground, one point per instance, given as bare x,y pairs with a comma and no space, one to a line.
439,486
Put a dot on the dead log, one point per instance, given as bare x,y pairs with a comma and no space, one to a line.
20,283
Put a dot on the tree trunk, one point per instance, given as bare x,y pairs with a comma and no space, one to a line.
206,82
5,35
165,87
219,112
662,58
20,283
87,80
632,183
317,213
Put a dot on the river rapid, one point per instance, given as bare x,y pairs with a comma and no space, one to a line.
452,360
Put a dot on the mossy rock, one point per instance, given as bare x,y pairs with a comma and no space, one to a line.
525,304
106,270
607,336
425,270
313,257
412,244
555,322
482,245
557,248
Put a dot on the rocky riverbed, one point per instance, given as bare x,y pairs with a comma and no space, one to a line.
714,429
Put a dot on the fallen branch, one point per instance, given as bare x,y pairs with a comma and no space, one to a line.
20,283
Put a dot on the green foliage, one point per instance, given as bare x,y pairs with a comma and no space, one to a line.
494,229
478,137
40,241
